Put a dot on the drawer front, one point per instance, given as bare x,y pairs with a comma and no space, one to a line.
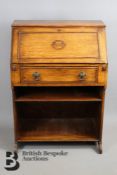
54,75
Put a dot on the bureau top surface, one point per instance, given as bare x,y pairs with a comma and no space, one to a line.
54,23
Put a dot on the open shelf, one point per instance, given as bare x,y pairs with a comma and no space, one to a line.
58,121
57,94
76,129
40,110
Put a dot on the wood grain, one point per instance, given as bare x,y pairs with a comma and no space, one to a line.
59,76
67,23
40,45
34,44
30,94
58,130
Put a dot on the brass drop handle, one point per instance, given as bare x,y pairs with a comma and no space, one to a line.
82,75
36,76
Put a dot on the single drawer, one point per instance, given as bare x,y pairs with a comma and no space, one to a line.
61,75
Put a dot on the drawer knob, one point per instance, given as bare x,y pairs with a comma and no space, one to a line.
82,75
36,76
58,44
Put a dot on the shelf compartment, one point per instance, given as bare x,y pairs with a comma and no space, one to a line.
77,129
57,94
42,110
58,121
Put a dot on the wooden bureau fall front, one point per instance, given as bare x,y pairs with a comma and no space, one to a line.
59,77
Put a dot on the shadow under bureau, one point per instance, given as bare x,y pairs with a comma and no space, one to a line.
59,77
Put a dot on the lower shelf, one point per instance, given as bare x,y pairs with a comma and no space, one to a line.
75,129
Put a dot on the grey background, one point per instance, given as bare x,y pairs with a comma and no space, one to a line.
105,10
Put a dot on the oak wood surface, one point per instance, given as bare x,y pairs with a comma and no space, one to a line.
54,75
58,130
58,45
59,76
60,23
57,94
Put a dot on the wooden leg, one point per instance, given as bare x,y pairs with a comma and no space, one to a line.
16,146
99,145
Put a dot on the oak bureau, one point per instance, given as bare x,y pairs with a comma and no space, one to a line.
59,77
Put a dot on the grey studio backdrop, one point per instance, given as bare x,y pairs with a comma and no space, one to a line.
105,10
